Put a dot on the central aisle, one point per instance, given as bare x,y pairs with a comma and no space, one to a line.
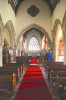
33,85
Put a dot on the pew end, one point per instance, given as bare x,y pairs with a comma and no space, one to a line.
14,82
64,92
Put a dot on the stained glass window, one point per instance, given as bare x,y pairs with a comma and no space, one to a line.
33,45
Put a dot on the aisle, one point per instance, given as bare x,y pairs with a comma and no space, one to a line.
33,85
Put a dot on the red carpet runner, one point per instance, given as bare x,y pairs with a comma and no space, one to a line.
33,85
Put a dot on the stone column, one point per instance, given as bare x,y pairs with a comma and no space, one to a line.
1,40
64,38
53,44
64,53
14,53
1,60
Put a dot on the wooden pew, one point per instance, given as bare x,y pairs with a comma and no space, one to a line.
57,73
15,69
60,81
8,83
20,68
55,67
11,68
50,65
53,63
64,92
60,84
15,65
11,64
53,74
10,71
61,68
21,59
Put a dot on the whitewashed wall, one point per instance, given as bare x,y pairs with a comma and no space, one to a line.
59,11
6,12
23,19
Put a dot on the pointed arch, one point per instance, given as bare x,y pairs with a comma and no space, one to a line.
10,27
42,30
1,31
57,21
57,34
64,27
64,36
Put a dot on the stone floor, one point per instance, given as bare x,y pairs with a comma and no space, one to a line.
4,95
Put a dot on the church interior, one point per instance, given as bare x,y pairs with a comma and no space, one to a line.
29,29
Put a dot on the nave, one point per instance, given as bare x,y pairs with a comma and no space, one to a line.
30,28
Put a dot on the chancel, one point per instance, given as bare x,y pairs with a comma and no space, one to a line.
29,29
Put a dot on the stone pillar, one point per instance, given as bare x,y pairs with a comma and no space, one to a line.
14,54
1,56
53,44
64,38
64,53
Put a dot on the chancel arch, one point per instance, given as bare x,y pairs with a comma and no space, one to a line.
37,31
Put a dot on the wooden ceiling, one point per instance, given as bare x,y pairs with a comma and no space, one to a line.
15,4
